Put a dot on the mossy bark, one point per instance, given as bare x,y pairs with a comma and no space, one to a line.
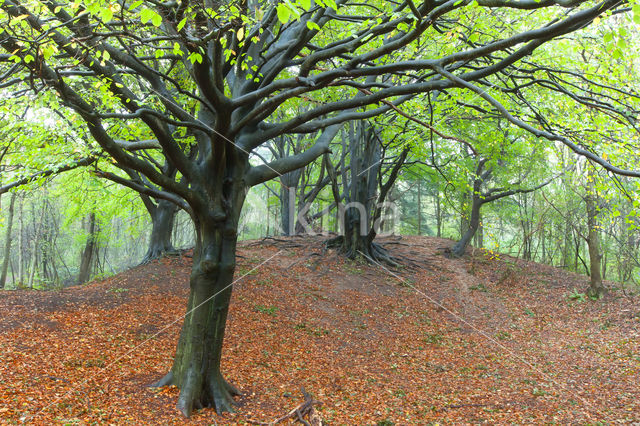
196,367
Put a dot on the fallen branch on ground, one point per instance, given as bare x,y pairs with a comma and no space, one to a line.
306,409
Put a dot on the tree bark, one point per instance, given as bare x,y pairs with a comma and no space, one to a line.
438,215
86,260
162,219
419,209
20,244
596,288
196,366
360,217
474,222
7,242
288,191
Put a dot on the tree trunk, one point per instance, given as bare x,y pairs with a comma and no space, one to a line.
86,260
596,288
438,215
419,209
196,366
162,218
38,229
20,244
7,243
288,217
474,222
479,237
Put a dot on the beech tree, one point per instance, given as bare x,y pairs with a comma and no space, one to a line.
213,82
368,172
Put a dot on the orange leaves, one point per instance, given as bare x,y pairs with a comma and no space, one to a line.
371,350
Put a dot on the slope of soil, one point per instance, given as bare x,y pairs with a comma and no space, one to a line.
483,339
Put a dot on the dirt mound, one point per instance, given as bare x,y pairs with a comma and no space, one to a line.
480,339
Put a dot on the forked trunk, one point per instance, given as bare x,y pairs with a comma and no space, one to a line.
162,218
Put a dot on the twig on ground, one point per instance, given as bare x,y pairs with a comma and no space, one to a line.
306,409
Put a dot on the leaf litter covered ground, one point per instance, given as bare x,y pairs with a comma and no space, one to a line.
480,339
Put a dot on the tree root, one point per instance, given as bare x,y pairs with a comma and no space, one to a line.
159,254
218,394
298,414
373,252
285,242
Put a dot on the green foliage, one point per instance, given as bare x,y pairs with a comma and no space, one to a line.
577,296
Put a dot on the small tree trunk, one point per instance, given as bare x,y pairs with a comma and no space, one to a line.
596,288
20,244
7,243
438,215
419,209
162,219
474,222
288,209
479,237
86,260
38,229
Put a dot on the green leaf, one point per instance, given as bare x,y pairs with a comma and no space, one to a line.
195,57
146,15
331,3
106,14
181,24
608,38
313,26
306,4
283,13
636,13
135,4
156,20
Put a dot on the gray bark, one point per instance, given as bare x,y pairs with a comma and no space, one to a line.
7,242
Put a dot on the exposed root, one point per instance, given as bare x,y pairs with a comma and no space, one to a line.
158,254
165,381
285,242
304,413
217,394
372,252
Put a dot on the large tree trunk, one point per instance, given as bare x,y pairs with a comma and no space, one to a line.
162,218
596,288
7,243
196,366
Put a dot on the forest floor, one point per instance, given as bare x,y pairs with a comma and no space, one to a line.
486,338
